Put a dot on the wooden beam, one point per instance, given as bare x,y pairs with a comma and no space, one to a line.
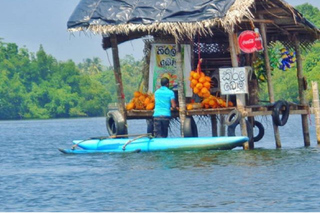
266,21
281,29
118,78
272,11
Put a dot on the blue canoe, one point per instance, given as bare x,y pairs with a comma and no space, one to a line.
146,144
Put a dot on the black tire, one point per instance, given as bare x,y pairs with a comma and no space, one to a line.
190,127
277,107
150,126
115,123
261,131
232,130
233,118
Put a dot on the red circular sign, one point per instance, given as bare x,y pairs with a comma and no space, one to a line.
247,41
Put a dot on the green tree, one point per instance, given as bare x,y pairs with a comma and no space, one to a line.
310,12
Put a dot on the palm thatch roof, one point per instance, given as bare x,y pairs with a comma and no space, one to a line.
184,19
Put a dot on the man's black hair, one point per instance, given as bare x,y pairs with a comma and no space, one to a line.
164,81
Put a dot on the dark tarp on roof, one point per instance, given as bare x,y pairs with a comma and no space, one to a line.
115,12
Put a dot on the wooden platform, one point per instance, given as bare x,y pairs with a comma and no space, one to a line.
254,110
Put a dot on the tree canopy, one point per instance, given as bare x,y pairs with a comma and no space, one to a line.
39,86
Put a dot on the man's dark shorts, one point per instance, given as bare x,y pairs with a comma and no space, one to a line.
161,126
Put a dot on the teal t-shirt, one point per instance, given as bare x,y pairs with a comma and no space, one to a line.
163,97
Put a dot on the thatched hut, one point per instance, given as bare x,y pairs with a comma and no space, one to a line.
210,28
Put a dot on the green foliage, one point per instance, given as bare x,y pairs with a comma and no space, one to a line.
310,12
38,86
285,83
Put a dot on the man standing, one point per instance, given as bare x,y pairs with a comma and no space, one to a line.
164,101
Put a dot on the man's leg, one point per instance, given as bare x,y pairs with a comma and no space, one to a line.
165,126
157,128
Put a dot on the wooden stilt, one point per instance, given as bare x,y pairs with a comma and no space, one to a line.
181,94
253,100
240,97
145,70
222,129
269,77
305,126
118,78
316,108
214,126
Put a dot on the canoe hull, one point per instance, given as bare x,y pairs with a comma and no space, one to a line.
155,144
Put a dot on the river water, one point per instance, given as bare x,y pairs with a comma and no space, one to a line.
35,176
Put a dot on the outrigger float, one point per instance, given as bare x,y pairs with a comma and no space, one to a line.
146,143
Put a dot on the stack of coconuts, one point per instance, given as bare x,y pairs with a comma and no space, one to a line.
141,101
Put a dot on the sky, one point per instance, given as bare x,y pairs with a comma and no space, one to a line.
31,23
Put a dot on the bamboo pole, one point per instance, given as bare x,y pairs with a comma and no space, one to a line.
241,101
316,108
118,78
304,118
181,94
269,77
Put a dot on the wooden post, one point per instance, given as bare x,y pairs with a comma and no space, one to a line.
304,118
316,108
118,78
222,129
214,126
146,66
241,101
181,94
253,100
269,77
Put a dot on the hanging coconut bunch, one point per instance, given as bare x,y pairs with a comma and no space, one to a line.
199,82
141,101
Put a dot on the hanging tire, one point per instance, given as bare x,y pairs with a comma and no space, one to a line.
260,127
277,107
190,127
115,123
232,129
233,118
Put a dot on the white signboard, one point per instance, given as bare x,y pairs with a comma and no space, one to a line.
234,80
163,64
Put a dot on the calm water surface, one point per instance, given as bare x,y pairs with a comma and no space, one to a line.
35,176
